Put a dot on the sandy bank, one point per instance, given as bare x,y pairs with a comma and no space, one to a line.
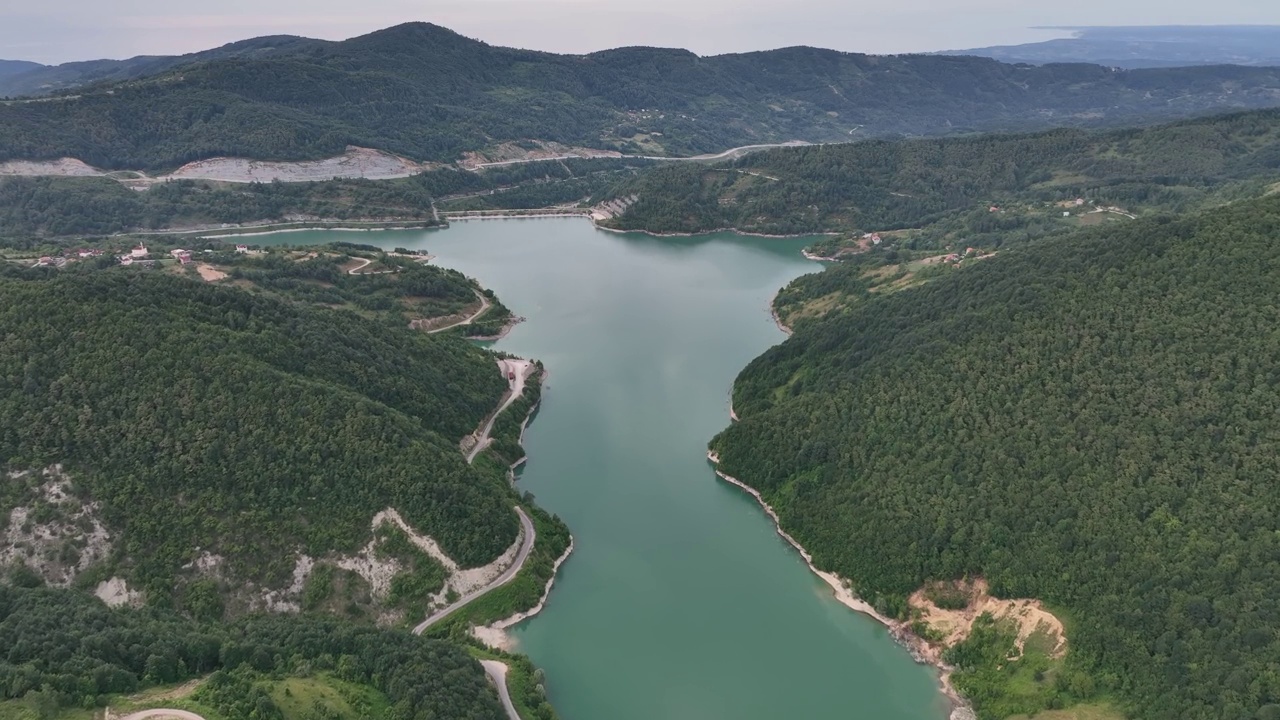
920,651
496,636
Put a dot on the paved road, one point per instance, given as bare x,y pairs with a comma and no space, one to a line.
521,368
525,548
714,156
498,674
168,714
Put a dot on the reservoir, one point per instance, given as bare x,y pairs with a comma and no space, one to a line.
680,601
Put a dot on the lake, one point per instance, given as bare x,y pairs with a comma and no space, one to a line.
680,601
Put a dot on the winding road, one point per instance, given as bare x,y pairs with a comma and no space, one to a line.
714,156
521,369
497,672
484,307
526,547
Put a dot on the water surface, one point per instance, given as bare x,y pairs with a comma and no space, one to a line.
680,601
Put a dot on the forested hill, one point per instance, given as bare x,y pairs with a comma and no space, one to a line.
1089,421
207,420
430,94
883,185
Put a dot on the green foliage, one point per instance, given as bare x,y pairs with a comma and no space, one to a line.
951,183
399,289
62,646
252,428
55,206
1088,421
422,578
384,91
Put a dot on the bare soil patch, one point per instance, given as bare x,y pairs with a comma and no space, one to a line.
955,625
209,273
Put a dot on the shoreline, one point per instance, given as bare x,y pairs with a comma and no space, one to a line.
523,216
256,233
495,634
900,631
777,320
503,332
735,231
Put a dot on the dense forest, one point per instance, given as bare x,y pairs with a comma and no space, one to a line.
209,419
427,93
951,183
1089,421
65,649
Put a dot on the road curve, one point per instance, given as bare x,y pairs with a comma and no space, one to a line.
526,547
356,270
169,714
521,369
484,307
497,672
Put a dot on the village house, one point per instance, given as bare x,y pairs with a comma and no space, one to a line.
242,248
139,252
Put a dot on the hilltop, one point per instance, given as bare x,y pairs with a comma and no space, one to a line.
427,93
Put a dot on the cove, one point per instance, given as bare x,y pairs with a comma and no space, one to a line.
680,601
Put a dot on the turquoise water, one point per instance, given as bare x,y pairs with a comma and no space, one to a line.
680,601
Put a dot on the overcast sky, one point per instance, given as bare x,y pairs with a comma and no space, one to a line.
52,31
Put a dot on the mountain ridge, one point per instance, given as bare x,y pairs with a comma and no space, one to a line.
427,93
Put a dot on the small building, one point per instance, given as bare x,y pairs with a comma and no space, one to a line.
875,239
139,252
242,248
969,251
88,252
995,208
1079,202
45,261
126,259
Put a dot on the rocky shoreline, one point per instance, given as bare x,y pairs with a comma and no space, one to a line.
919,650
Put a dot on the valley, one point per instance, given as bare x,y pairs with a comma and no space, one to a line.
793,383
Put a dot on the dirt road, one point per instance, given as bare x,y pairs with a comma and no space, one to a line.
163,714
497,672
484,307
521,369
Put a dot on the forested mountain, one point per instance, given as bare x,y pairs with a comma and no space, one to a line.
26,79
204,421
1147,46
13,67
886,185
429,94
1088,421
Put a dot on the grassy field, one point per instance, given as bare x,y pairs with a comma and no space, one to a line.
326,696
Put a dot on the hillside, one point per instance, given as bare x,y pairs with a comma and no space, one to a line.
1089,422
22,79
951,183
8,68
211,435
426,93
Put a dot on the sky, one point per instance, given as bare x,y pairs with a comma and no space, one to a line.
53,31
